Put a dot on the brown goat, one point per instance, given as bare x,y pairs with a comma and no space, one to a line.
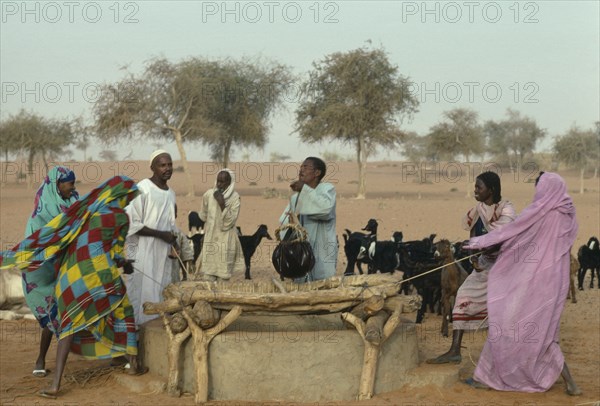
572,274
452,278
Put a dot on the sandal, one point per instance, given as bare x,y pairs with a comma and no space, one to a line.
40,373
445,359
475,384
138,372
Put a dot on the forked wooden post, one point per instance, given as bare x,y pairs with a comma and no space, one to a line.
175,340
372,347
202,339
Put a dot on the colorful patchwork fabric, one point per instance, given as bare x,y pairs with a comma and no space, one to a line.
76,255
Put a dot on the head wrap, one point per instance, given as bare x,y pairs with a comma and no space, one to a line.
227,192
48,201
157,153
550,196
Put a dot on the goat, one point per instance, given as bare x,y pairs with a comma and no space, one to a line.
416,251
196,233
397,236
249,244
460,253
416,258
383,256
197,240
195,223
574,268
451,279
589,258
352,244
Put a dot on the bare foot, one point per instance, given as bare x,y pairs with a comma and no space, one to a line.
48,393
447,358
573,389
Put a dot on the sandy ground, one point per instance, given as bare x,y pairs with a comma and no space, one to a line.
393,198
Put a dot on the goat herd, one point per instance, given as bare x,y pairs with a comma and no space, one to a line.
415,259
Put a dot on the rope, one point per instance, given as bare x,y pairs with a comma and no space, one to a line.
476,330
301,233
437,269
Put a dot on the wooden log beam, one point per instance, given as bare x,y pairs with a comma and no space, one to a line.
296,309
271,301
176,289
408,304
368,307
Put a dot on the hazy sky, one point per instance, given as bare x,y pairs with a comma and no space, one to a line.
538,57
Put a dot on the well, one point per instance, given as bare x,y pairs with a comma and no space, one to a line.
277,355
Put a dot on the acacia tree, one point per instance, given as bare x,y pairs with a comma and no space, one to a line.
359,98
513,138
578,149
239,98
415,148
459,133
37,137
193,100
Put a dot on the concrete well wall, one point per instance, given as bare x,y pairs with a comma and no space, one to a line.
312,358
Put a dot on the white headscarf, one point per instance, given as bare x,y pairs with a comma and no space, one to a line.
157,153
227,193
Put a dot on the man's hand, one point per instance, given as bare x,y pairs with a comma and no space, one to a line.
292,217
297,185
218,195
167,237
126,264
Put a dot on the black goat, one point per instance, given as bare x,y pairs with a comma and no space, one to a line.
416,258
249,244
352,244
196,232
589,258
383,256
197,240
397,236
195,223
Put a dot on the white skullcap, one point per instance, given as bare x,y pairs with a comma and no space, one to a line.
157,153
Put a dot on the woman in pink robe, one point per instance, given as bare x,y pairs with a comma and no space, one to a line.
527,289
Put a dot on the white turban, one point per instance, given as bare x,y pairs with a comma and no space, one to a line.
157,153
227,192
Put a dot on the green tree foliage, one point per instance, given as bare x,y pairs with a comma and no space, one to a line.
239,99
36,136
279,157
416,149
578,149
514,138
219,103
458,134
359,98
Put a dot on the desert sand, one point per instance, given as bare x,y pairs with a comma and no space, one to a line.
398,203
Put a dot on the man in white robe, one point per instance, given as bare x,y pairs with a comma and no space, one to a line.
315,205
221,254
150,237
